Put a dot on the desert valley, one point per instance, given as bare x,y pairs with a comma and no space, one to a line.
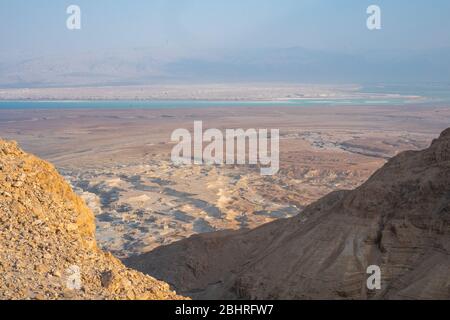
118,161
147,209
225,155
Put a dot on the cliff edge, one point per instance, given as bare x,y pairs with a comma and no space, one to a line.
47,240
398,220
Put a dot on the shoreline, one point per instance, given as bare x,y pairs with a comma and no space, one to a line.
118,104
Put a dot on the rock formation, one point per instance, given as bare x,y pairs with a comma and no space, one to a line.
398,220
47,240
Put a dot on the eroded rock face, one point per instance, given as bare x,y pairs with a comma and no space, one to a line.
47,240
399,220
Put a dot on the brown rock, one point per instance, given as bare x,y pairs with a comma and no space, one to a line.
57,274
398,220
40,268
109,280
62,236
71,227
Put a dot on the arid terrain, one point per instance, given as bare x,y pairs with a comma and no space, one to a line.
398,220
47,240
118,161
224,150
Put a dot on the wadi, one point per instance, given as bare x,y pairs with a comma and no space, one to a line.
224,150
399,220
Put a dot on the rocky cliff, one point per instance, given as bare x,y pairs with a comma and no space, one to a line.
399,220
47,241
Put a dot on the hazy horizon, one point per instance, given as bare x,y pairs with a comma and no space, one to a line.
191,41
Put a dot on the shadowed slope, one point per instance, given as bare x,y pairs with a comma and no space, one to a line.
399,220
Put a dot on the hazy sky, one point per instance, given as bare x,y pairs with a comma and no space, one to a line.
38,27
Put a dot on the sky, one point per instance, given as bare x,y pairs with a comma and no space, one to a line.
38,27
142,41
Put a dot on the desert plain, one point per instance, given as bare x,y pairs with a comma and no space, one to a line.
118,160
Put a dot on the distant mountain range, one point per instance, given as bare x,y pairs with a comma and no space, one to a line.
150,65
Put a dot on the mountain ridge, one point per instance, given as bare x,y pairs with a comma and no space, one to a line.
47,240
152,65
399,220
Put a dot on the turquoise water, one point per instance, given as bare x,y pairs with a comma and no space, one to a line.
168,104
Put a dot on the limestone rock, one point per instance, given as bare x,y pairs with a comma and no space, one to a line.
48,243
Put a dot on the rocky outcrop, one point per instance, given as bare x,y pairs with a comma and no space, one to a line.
399,220
47,240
